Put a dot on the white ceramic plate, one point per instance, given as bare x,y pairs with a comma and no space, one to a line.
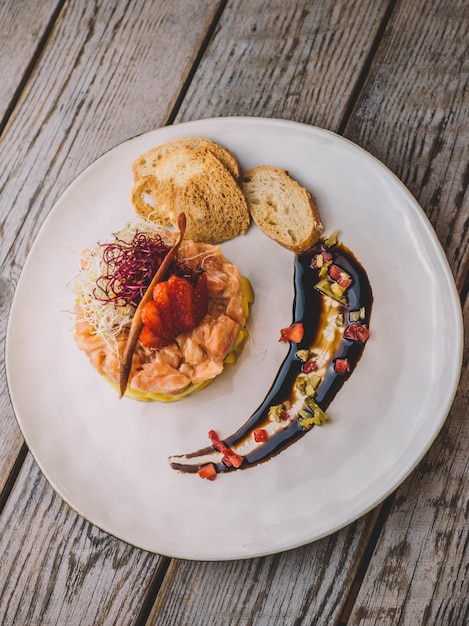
107,458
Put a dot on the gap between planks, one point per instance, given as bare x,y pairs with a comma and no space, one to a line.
153,590
367,65
13,475
16,468
385,507
192,71
164,562
32,64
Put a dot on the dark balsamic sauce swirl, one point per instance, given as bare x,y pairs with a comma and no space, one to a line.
307,309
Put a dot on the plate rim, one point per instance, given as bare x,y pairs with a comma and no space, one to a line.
429,233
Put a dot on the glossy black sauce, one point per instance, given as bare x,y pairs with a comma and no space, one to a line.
308,309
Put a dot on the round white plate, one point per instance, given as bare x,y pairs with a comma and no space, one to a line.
107,458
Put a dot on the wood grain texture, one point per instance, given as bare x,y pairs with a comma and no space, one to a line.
302,586
104,77
101,79
417,124
299,61
413,115
431,148
23,25
418,573
285,58
112,70
56,568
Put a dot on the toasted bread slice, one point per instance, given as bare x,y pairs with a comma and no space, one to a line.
153,195
284,210
194,181
146,164
151,202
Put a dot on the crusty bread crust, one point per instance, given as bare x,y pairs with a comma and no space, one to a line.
282,208
146,164
200,178
196,182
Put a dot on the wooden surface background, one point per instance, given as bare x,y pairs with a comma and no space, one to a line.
78,78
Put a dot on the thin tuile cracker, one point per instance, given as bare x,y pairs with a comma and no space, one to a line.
137,324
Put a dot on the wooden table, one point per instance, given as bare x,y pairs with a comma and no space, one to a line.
81,77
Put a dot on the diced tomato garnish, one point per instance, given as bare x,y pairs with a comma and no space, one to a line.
351,332
345,281
309,366
340,277
357,332
284,415
335,272
318,260
293,333
362,333
260,435
341,366
234,459
208,471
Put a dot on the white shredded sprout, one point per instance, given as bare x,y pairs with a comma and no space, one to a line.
106,319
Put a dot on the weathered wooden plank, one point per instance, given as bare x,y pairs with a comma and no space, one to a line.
414,111
23,25
418,573
57,568
107,69
302,586
252,86
109,72
285,58
299,61
256,575
415,119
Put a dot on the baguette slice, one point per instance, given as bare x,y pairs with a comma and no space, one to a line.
195,182
153,195
284,210
146,164
151,201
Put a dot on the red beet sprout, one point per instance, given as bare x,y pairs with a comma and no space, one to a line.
131,267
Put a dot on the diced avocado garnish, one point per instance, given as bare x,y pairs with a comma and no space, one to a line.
337,290
319,417
324,269
305,419
276,411
305,355
307,383
332,239
331,289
